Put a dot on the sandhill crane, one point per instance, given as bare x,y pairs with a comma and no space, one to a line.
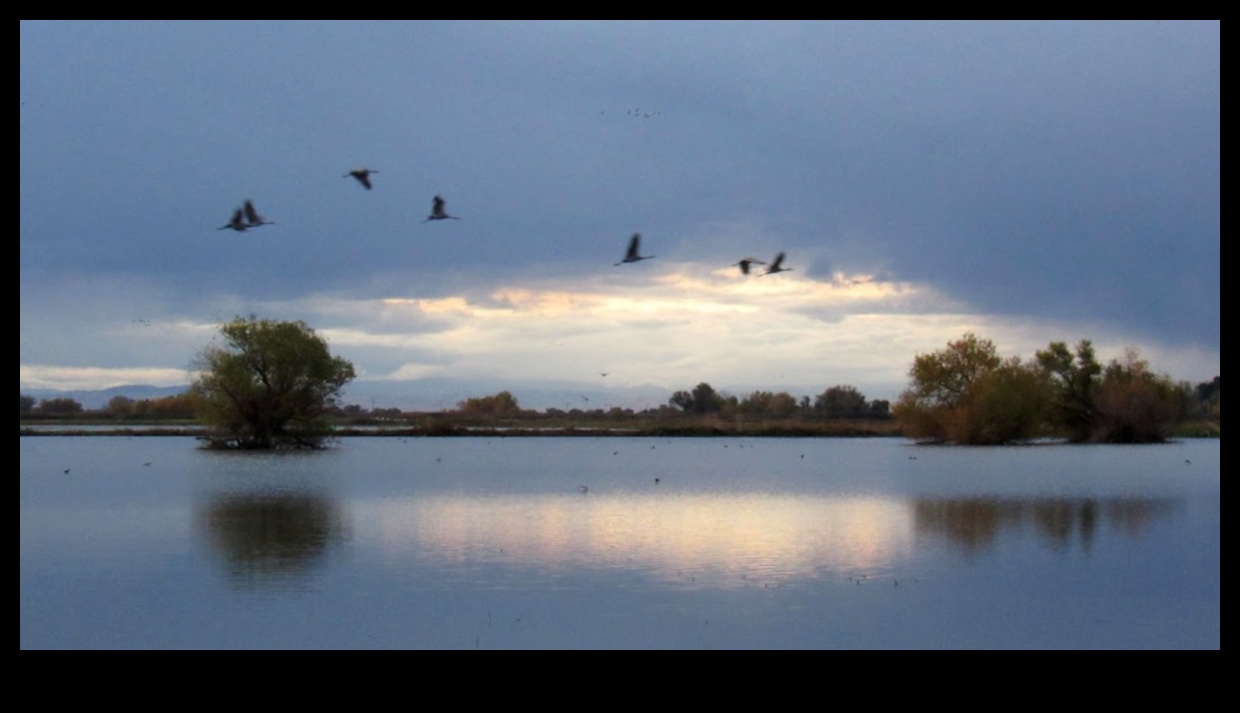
252,218
437,211
631,255
237,222
362,175
777,266
744,264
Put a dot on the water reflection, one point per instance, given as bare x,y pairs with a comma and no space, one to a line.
728,540
270,540
974,523
708,540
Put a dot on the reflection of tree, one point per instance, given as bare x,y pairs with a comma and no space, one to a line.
271,540
974,523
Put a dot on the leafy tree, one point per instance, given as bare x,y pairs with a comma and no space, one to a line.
1134,404
27,403
703,399
269,386
1073,382
880,409
967,393
501,404
1002,405
841,402
942,378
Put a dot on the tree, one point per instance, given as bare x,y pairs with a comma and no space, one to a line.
269,386
1125,403
703,399
1134,404
501,404
27,404
59,407
120,406
1073,382
841,402
967,393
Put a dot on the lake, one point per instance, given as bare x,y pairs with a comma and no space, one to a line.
620,542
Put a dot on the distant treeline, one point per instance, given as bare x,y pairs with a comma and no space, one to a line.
965,393
176,407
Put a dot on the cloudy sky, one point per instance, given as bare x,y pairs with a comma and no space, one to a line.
1029,182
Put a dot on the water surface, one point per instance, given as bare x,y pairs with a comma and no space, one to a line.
621,542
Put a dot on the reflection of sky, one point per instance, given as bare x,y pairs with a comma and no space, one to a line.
724,537
731,539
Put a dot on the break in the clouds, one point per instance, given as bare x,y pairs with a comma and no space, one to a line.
1028,181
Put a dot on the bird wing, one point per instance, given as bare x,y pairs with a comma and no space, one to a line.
251,214
634,242
779,260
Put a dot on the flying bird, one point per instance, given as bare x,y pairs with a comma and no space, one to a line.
777,265
744,264
362,175
437,211
252,218
237,222
631,255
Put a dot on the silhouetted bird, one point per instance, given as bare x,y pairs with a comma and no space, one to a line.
437,211
744,264
252,218
237,223
777,266
631,255
362,175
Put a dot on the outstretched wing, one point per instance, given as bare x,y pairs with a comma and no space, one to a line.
251,215
237,222
634,243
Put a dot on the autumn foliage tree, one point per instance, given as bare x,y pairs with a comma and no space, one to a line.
967,393
1134,404
501,404
268,386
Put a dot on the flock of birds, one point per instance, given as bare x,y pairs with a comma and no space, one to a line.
247,217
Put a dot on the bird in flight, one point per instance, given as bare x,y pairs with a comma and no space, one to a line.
631,255
237,222
744,264
252,218
777,265
362,175
437,211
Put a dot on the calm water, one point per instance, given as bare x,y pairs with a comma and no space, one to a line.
503,543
